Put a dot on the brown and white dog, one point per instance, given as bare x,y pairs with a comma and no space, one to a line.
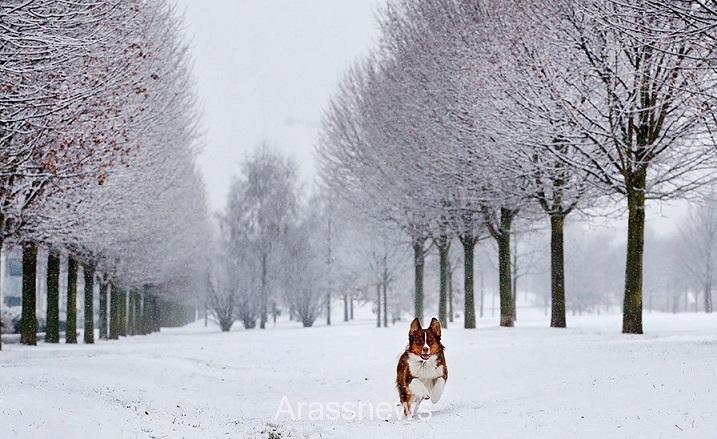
421,372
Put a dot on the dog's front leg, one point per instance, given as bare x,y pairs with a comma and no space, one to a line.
419,390
437,390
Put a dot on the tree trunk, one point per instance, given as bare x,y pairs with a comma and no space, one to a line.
71,321
145,319
103,310
514,277
263,300
328,309
150,311
708,298
418,261
557,271
52,329
89,273
346,308
28,335
351,307
131,313
114,312
385,303
378,305
450,292
507,306
444,245
138,313
632,305
145,312
156,313
123,312
469,311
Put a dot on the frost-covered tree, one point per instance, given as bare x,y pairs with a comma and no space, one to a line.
222,290
698,16
698,239
304,277
118,187
262,206
51,54
643,106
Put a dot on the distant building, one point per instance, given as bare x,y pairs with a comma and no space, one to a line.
11,278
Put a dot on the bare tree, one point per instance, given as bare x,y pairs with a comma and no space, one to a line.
222,302
262,205
698,236
222,290
305,279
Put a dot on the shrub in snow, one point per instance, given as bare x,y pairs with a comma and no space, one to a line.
8,317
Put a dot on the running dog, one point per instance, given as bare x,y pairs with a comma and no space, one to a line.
421,372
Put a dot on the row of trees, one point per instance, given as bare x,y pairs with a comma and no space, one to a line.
679,266
470,113
98,133
368,264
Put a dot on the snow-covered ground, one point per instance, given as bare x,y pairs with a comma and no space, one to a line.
588,381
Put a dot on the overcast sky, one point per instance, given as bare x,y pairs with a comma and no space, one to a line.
265,69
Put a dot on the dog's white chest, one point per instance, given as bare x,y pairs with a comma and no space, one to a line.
424,370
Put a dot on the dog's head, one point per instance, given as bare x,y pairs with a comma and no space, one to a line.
425,343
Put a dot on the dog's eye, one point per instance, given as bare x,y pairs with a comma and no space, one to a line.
431,342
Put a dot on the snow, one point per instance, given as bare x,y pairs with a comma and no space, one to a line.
587,381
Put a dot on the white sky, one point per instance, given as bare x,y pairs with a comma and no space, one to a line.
265,69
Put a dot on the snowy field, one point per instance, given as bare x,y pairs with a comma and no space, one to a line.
588,381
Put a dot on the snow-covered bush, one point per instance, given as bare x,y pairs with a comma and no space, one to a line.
8,318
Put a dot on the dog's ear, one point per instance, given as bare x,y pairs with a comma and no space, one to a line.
415,325
435,327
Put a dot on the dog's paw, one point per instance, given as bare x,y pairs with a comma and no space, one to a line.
407,413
